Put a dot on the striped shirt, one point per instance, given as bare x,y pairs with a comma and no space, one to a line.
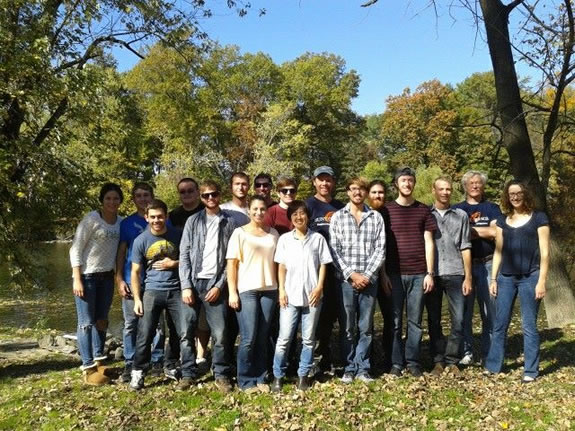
357,247
406,243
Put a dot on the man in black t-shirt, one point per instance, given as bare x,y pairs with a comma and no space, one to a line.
188,191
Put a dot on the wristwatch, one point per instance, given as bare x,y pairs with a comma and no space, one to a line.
430,273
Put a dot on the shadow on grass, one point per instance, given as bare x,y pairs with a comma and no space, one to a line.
39,366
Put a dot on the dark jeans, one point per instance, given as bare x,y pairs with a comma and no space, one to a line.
216,315
327,317
92,312
508,287
254,319
154,302
130,333
356,314
386,308
452,286
408,290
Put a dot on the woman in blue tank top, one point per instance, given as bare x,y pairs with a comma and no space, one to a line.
520,265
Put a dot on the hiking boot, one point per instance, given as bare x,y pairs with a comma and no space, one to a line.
395,371
347,378
94,378
103,369
453,369
156,370
126,375
437,369
365,378
185,383
137,381
277,385
172,374
415,372
303,383
224,384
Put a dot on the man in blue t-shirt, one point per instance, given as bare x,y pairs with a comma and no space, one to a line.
156,253
482,218
322,206
130,228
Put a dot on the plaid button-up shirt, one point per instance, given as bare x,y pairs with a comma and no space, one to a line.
357,247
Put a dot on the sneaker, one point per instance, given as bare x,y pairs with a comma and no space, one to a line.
156,370
185,383
126,375
527,379
347,378
277,385
453,369
415,372
172,374
137,381
467,359
224,384
200,361
303,383
94,378
365,378
437,369
395,371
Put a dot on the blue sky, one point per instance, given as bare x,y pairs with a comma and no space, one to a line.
393,44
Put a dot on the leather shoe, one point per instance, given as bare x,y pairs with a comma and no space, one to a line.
303,383
277,385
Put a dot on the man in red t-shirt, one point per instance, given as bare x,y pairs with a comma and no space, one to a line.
409,268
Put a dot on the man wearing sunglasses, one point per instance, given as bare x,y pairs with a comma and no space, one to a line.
276,216
203,276
263,186
190,203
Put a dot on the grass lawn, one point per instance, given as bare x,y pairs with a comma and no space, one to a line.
48,394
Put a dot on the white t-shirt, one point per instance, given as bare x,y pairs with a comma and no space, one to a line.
256,268
210,256
239,214
302,258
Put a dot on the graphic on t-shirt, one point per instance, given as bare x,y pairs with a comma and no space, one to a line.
160,250
474,217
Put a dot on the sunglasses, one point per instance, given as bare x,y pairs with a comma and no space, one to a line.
187,191
210,195
262,185
288,191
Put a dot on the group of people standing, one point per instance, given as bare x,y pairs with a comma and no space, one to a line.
226,269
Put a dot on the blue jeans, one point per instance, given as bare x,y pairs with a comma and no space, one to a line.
481,279
254,319
508,286
154,303
130,332
92,312
290,317
451,285
407,289
356,308
216,315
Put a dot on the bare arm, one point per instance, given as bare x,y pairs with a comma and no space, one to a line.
496,261
543,234
137,289
123,288
78,285
467,279
232,269
315,295
485,232
429,260
282,270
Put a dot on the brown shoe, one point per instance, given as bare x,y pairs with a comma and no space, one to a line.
94,378
224,384
103,369
437,369
453,369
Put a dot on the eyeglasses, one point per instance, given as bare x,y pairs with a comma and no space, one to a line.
187,191
210,195
288,191
262,185
516,195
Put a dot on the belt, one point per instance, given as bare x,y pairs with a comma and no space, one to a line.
99,275
482,259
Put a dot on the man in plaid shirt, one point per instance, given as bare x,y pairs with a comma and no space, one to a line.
357,240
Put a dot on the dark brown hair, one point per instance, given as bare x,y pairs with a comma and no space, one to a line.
528,200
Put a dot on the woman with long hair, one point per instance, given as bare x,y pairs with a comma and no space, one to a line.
520,265
93,259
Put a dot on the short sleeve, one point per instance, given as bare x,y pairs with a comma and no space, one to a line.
495,212
124,231
234,246
541,219
324,252
280,249
430,223
500,222
138,250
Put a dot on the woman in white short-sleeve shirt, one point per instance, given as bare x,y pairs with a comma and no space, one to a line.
252,282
